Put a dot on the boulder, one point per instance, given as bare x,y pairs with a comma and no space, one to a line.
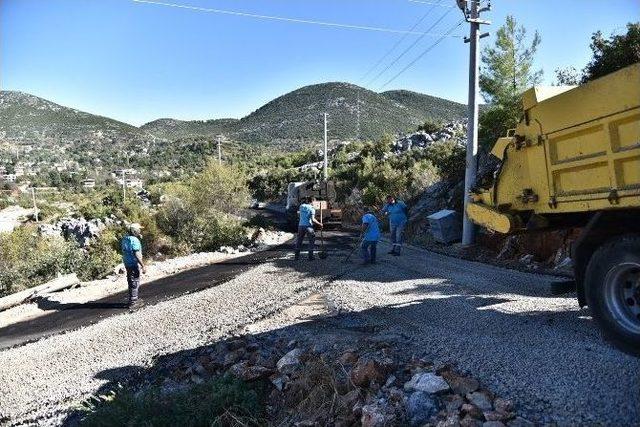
481,399
472,411
427,382
420,407
459,384
376,415
503,405
452,402
367,371
452,420
290,361
468,421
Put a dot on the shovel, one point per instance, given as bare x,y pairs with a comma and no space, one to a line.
346,260
323,253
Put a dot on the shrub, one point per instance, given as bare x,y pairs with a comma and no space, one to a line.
220,188
219,402
260,221
101,256
449,158
430,126
28,259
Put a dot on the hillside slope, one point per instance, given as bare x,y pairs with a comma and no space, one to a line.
28,117
427,105
297,116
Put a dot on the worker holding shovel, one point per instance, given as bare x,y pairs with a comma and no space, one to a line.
370,237
307,214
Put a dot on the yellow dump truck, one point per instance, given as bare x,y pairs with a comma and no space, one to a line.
574,161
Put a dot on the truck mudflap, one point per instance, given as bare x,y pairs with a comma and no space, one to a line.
492,219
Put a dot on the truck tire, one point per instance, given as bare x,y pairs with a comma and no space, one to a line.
612,285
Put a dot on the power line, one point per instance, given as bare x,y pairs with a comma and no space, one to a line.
286,19
399,42
409,65
428,2
411,46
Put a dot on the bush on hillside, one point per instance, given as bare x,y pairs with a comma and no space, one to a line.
198,215
102,255
430,126
28,259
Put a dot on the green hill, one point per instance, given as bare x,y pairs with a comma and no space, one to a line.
296,117
30,118
57,133
427,105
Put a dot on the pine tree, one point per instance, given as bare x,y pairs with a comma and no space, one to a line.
507,71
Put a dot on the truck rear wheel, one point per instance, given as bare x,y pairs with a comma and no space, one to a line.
612,284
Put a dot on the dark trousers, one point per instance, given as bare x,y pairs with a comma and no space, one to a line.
303,231
368,250
133,280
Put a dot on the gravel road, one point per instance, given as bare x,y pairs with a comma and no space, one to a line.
498,325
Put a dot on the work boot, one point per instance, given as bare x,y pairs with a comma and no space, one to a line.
134,305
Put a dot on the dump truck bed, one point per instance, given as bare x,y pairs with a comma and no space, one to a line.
576,150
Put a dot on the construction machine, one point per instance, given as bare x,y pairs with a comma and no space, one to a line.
574,161
324,193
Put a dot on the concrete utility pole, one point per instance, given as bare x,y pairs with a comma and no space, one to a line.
219,153
35,206
326,147
472,15
358,118
124,186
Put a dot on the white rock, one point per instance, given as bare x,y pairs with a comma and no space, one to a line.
289,361
427,382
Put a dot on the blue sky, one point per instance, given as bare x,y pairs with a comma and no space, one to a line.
137,62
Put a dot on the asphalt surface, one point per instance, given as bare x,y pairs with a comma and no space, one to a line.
68,317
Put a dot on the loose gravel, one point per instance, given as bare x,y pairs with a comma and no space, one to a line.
502,327
39,381
498,325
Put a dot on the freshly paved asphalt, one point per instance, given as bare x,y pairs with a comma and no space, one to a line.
68,317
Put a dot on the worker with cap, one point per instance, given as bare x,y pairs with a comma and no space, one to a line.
396,210
307,214
132,259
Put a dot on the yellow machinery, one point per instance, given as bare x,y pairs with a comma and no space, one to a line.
574,161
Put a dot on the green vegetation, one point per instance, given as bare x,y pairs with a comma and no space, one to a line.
28,259
222,401
608,55
507,71
198,214
371,168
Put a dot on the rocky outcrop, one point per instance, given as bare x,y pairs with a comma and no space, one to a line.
79,229
420,140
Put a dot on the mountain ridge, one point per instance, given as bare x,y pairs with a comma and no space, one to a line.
287,120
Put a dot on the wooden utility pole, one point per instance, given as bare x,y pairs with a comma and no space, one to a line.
219,152
472,15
